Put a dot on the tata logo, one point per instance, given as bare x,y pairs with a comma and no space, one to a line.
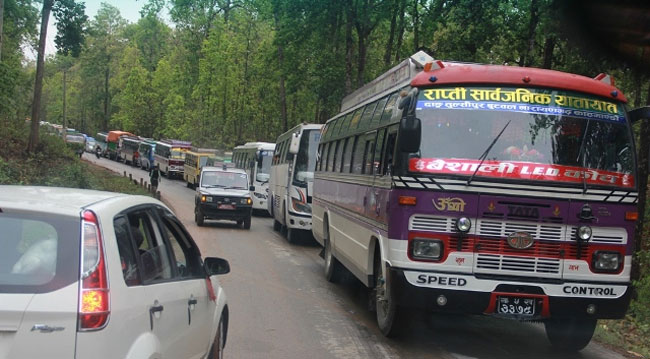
520,240
529,212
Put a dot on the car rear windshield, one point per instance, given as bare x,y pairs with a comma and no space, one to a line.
38,252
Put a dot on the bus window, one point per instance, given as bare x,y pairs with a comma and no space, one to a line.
330,156
355,119
390,104
376,117
323,160
369,152
367,115
357,158
379,146
345,125
338,162
389,150
347,157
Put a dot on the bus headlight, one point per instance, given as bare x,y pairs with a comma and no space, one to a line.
584,233
463,224
606,261
427,249
300,206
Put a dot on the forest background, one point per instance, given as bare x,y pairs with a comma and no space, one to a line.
223,72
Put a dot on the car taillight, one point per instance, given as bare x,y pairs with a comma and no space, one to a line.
94,294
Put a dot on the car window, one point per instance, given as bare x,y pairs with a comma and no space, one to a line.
154,256
185,252
128,251
34,258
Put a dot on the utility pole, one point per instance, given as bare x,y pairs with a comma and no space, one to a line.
65,120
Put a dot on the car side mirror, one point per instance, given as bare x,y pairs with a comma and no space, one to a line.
216,266
251,188
410,134
641,113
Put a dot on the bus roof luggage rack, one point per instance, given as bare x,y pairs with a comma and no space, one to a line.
400,75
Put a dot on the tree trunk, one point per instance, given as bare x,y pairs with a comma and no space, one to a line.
549,47
2,14
391,35
361,61
349,48
106,96
400,31
642,175
65,118
532,26
416,26
38,83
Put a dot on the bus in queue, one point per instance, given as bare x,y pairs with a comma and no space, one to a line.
482,189
101,142
195,159
146,151
128,149
291,182
169,156
113,144
255,158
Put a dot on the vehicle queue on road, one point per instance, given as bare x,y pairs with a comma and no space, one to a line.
527,213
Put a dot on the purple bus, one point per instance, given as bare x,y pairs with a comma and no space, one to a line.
496,190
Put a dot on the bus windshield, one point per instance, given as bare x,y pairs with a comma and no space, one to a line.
264,166
584,136
177,154
306,158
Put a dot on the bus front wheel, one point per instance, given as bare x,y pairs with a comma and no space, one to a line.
390,317
570,334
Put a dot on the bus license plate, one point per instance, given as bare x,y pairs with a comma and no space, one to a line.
516,305
226,206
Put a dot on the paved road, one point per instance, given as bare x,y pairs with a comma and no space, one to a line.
282,307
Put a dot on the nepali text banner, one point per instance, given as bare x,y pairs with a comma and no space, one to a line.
521,170
520,100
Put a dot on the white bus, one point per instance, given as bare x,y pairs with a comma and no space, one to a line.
292,176
255,158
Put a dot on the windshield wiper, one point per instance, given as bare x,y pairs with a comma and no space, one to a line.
234,187
487,151
582,158
214,185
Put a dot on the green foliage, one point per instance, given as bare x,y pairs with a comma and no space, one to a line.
54,164
70,25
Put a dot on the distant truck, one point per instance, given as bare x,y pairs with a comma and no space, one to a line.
112,142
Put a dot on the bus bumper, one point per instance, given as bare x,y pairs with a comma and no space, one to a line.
485,302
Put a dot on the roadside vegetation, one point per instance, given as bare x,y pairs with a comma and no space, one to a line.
53,164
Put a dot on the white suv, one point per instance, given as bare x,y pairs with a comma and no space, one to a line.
89,274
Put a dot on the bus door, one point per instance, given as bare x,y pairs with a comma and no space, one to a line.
381,167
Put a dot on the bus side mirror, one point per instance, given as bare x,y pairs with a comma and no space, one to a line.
294,146
410,134
641,113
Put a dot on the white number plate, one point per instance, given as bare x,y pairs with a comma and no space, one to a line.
516,305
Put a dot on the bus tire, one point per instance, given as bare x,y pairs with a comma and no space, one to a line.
198,217
390,317
293,235
247,222
277,226
570,334
334,270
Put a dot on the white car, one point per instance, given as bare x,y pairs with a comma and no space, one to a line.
90,274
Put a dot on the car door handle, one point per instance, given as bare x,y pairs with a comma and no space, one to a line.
156,308
192,301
